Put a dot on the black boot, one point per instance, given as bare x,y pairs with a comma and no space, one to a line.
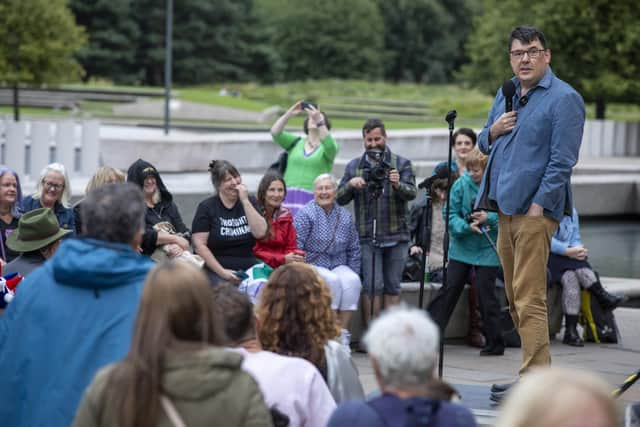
571,336
606,300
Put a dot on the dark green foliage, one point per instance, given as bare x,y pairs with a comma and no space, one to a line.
213,40
335,39
112,39
37,41
424,38
595,45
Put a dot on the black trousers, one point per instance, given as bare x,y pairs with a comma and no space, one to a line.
445,301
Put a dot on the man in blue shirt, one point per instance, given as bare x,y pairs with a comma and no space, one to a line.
532,152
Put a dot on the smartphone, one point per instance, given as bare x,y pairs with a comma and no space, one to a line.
305,105
241,274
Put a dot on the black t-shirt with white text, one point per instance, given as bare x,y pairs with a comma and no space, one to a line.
5,229
230,239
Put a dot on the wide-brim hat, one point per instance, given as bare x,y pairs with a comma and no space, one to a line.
36,229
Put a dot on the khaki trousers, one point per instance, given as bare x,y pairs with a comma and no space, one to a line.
523,245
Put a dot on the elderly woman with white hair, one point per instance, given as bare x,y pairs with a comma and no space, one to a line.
403,349
54,192
328,236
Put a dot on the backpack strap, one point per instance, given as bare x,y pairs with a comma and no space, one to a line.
171,411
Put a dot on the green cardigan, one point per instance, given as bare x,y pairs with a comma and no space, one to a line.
302,170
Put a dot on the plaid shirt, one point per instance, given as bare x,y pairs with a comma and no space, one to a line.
392,223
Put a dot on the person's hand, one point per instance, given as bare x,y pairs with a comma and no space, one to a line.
230,276
394,177
295,109
173,250
577,252
243,192
293,257
415,250
314,114
535,210
475,227
181,242
480,216
357,182
505,124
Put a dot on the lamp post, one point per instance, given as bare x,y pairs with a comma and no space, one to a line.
167,66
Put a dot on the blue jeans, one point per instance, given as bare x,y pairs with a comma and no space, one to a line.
389,264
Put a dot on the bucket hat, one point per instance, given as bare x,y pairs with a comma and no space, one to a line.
36,229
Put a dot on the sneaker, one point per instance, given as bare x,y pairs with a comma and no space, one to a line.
345,340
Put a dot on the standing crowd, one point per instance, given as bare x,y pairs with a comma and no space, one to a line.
128,317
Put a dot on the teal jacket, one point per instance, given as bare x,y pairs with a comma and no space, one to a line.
464,244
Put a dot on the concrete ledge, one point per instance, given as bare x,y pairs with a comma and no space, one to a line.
629,288
458,324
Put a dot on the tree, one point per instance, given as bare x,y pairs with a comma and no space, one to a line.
213,41
595,45
597,48
113,35
424,38
337,39
37,41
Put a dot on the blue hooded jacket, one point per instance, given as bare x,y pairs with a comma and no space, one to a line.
68,319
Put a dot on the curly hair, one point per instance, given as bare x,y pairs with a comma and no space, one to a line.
295,314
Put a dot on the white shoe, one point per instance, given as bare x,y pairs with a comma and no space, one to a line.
345,340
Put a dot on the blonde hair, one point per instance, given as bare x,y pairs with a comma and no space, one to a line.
102,176
66,192
551,396
475,158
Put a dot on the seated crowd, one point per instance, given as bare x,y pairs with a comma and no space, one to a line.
244,318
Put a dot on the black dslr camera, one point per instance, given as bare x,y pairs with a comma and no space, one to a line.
376,175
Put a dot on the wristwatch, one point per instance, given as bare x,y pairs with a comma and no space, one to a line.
320,123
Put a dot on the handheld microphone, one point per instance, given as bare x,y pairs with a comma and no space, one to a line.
508,90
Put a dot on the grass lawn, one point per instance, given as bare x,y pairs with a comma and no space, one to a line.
348,102
472,106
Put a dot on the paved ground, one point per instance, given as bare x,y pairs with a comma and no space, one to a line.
473,375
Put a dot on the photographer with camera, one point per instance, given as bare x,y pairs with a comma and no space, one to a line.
469,248
380,183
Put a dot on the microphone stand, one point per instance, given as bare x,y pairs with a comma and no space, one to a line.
450,118
425,241
374,195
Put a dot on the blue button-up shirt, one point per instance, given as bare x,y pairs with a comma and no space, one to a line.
567,235
329,239
533,162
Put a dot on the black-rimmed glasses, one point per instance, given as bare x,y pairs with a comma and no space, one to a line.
533,53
